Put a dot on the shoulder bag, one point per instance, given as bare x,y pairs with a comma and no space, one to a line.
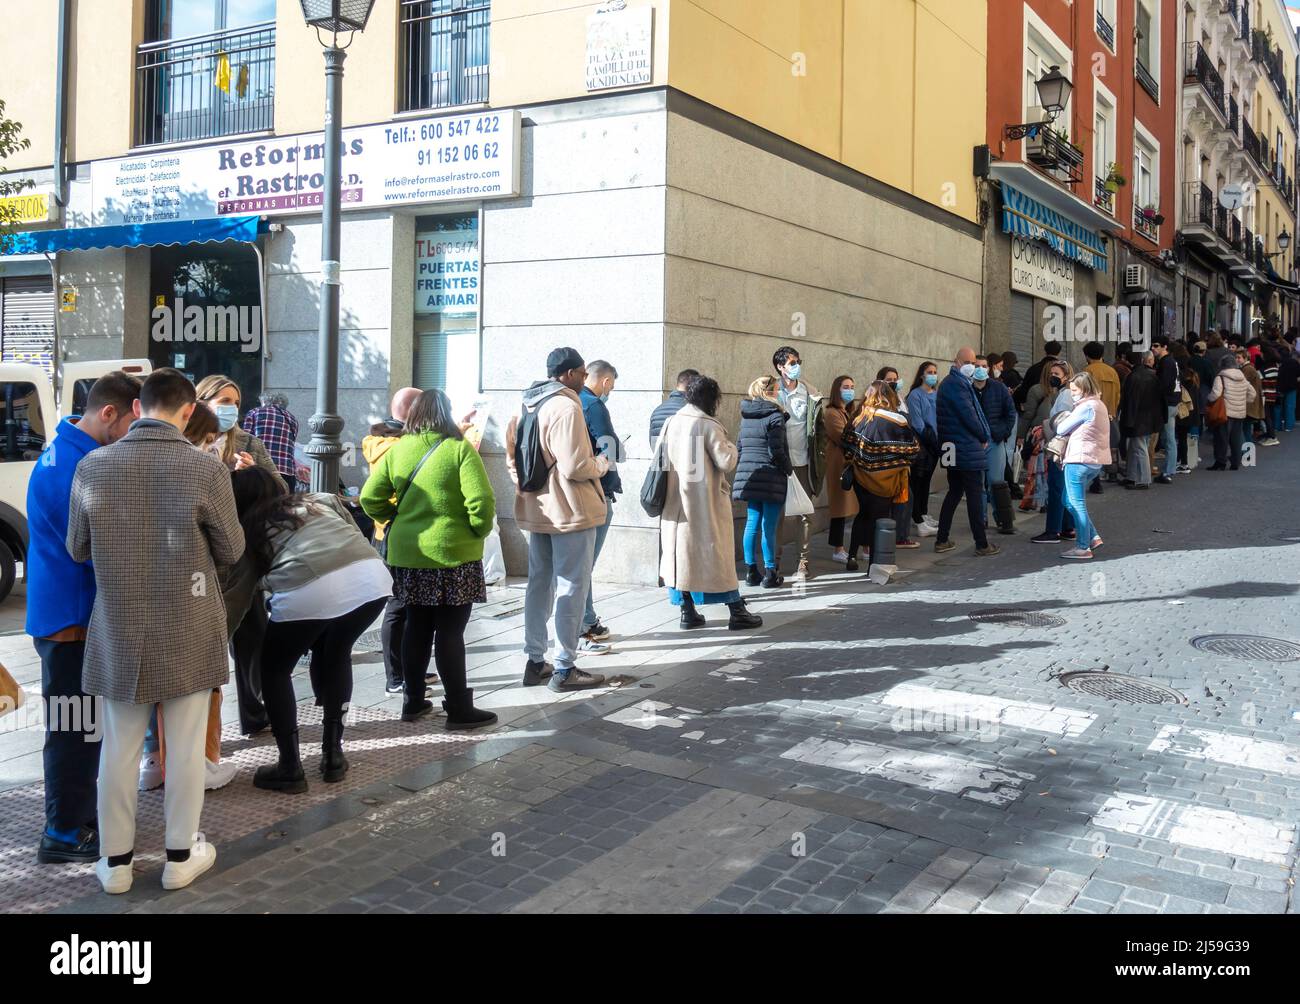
1216,412
654,490
382,546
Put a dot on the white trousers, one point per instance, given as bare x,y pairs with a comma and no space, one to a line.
119,770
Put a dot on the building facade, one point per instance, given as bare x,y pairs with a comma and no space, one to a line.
659,183
1079,210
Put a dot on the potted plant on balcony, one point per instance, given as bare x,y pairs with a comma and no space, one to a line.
1114,180
1151,214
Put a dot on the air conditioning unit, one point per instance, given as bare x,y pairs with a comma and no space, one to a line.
1135,277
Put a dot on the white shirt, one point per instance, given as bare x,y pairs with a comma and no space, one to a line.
335,593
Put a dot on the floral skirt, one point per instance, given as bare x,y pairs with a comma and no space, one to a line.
440,587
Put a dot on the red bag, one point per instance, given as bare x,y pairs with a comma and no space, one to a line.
1216,413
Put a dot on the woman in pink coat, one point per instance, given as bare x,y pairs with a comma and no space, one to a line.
1087,451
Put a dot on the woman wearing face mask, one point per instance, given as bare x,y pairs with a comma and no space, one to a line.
840,413
1045,480
923,418
880,448
902,511
762,472
238,448
1087,451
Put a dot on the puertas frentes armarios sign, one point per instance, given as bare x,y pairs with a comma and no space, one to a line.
449,159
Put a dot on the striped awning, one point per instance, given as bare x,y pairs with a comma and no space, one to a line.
1027,217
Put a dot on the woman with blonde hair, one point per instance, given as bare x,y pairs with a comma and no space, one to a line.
762,472
238,448
1087,451
839,415
880,449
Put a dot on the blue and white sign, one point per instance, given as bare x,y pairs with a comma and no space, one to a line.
447,272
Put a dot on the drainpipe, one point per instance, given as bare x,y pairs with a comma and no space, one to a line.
61,107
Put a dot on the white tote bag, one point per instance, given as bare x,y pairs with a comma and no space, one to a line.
494,563
797,502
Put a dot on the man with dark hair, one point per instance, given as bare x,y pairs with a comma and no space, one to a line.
560,518
158,518
60,595
805,434
601,378
1051,352
671,405
1171,389
1000,413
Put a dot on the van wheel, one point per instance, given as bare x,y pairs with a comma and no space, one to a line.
8,570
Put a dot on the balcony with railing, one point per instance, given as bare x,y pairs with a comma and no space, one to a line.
1250,141
1105,30
1147,81
1055,156
1271,59
1198,205
1103,198
444,53
1221,222
1234,233
1203,72
1243,19
1144,224
219,84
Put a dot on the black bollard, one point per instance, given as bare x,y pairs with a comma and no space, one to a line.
1002,512
886,537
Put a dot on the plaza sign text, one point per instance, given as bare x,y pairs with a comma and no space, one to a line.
458,158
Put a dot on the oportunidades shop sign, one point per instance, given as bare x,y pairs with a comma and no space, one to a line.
450,159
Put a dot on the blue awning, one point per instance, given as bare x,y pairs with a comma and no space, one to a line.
1027,217
233,228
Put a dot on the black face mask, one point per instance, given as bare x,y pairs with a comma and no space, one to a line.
1055,381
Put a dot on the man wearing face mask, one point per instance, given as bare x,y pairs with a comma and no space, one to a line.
601,378
964,440
805,432
1000,413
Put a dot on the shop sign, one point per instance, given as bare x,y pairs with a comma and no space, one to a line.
447,272
1039,271
457,158
30,207
620,47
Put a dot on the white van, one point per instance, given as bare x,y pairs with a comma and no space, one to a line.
29,419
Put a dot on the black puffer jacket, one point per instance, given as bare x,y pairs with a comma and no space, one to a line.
764,463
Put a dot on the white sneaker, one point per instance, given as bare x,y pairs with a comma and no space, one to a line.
928,519
927,530
151,772
1270,442
841,556
218,775
114,880
179,874
588,647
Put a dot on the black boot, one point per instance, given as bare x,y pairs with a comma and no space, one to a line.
286,776
691,618
333,764
741,618
754,577
461,713
771,580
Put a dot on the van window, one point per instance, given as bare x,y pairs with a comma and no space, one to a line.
22,429
80,393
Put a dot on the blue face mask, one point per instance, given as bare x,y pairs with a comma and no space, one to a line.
898,386
980,373
793,370
848,394
931,379
227,416
604,399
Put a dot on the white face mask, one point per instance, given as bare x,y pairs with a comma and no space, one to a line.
968,370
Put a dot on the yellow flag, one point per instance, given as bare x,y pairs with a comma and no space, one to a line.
241,81
223,72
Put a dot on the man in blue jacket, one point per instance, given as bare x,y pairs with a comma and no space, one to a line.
60,595
601,377
1000,413
964,440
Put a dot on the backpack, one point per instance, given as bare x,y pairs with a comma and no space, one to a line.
530,461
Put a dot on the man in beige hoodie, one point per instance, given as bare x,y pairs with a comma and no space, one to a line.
561,519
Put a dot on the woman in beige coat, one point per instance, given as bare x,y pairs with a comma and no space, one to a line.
839,414
696,532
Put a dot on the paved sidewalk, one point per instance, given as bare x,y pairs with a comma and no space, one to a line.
870,749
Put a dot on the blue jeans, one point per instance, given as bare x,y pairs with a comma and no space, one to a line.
1077,479
1059,519
1288,410
996,473
767,516
1169,437
559,576
590,620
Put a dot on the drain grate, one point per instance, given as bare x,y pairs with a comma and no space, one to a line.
1251,647
1117,687
1016,617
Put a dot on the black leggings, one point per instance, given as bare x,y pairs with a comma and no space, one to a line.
440,632
870,508
836,536
919,486
330,643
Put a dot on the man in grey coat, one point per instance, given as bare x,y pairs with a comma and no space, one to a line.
157,518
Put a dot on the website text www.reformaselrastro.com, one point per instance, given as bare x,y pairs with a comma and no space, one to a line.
435,186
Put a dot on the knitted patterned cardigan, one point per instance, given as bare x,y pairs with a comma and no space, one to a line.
880,449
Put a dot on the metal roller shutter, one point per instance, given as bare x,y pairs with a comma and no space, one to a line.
27,320
1022,329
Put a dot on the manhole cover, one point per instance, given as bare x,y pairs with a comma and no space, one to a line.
1252,647
1117,687
1015,617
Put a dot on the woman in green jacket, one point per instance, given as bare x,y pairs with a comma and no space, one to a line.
434,493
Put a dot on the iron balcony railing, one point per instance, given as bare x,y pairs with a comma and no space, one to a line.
1233,117
1250,141
1145,226
210,85
1105,30
1147,81
1243,19
1234,227
444,53
1247,244
1200,68
1055,155
1102,198
1221,222
1198,204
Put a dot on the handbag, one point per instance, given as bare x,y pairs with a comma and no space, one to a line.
1216,412
382,545
797,502
1184,404
654,489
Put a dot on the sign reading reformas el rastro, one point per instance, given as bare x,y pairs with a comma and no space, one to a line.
449,159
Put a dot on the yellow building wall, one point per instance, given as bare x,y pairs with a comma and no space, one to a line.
101,77
539,50
27,84
850,79
1268,107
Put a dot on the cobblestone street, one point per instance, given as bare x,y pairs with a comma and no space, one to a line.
873,749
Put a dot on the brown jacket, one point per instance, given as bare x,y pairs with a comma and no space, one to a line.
1108,383
697,532
572,499
1256,407
843,504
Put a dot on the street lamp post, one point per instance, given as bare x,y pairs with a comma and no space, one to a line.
326,446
